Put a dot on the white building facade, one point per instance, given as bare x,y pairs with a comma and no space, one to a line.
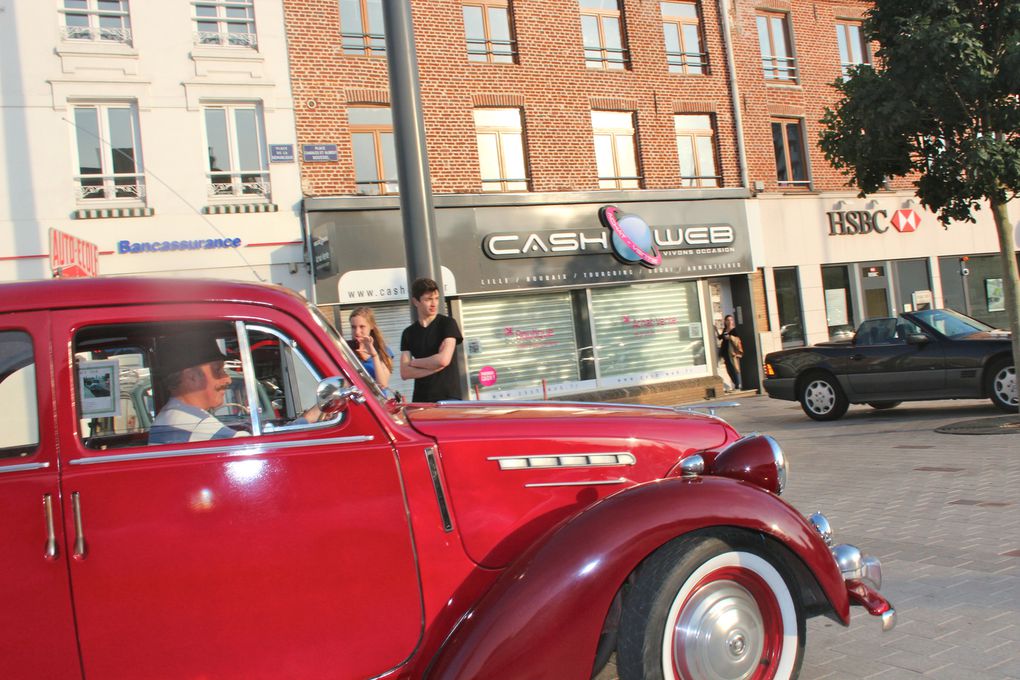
162,133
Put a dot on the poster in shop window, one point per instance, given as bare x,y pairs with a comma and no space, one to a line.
994,295
835,307
99,388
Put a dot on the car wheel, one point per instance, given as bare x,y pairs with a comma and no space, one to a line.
1002,386
822,398
710,608
882,405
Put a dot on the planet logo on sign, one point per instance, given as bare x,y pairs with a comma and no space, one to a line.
632,238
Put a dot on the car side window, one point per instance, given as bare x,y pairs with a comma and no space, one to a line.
905,328
19,416
286,381
162,383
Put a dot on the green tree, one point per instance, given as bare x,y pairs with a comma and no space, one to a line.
942,106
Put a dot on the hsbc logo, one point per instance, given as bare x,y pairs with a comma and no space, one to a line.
906,220
852,222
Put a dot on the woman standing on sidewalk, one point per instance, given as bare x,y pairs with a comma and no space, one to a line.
731,349
367,341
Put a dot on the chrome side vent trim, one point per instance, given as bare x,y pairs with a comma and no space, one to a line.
437,484
572,460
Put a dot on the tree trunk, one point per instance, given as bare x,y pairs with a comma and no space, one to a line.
1010,276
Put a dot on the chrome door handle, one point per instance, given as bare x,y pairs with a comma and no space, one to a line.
79,533
50,552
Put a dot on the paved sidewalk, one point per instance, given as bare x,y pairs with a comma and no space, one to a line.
941,511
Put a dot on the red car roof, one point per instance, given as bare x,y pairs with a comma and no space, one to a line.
93,292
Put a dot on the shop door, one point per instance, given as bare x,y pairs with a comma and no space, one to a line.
285,555
35,615
874,283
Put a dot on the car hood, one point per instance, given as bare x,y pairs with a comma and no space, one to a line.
989,335
513,470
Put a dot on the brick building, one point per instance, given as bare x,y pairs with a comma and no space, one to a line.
698,127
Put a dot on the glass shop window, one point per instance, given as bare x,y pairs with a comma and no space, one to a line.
521,346
791,318
649,328
839,312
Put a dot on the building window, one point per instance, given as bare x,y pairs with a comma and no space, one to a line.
776,46
695,142
501,149
105,20
646,330
489,35
375,159
853,50
109,159
361,28
791,319
839,311
682,32
225,22
615,150
791,160
237,151
602,30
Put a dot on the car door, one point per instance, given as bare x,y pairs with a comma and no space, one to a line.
883,364
285,554
36,618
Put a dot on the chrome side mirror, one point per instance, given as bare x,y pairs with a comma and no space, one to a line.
334,394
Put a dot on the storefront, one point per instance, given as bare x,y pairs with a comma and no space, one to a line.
834,261
553,298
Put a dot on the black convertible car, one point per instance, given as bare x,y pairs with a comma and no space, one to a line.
929,354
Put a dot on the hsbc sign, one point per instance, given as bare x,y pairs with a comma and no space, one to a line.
853,222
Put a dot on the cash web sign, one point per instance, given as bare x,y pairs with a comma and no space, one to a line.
628,237
134,247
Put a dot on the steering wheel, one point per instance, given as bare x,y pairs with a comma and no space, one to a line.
233,409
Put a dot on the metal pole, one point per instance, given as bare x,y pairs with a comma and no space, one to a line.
416,210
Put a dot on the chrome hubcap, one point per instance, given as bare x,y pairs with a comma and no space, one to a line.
721,633
820,397
1005,385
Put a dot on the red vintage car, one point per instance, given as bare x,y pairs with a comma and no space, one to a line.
377,539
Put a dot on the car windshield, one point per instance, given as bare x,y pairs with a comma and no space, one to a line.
951,324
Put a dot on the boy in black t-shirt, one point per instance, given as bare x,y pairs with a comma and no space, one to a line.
427,347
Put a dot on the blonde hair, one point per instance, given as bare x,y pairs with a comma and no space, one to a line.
368,315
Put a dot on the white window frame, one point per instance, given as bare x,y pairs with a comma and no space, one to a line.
616,135
503,135
360,39
95,16
692,133
112,186
691,59
380,185
777,67
600,55
223,36
239,184
848,45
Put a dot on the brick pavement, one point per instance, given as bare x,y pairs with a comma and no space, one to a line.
941,511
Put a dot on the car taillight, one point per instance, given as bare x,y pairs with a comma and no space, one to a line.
769,371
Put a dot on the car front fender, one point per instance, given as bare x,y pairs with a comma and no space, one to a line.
543,616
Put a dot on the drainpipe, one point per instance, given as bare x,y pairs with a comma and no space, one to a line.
731,71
